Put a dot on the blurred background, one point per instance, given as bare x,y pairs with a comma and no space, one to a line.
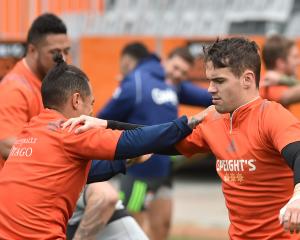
100,28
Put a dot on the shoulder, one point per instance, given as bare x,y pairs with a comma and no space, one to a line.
273,109
214,116
16,79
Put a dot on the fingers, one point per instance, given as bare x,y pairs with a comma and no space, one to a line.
75,123
291,221
199,117
139,159
298,225
82,129
286,220
72,122
66,123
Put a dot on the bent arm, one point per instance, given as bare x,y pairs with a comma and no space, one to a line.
288,214
103,170
291,95
5,146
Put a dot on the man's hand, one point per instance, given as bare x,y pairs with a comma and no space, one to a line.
140,159
289,216
199,117
86,123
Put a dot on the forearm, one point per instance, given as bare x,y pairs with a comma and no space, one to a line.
151,139
5,146
288,81
103,170
292,95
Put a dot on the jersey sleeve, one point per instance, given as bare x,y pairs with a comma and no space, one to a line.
92,144
281,127
194,143
121,104
14,105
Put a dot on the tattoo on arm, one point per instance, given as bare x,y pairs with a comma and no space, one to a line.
193,122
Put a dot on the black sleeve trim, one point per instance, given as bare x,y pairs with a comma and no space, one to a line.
121,125
291,154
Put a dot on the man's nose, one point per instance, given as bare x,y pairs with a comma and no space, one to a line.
211,88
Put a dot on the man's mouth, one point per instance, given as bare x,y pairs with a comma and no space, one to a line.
215,100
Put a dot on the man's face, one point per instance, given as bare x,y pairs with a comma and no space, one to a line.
226,89
47,47
292,61
176,69
127,64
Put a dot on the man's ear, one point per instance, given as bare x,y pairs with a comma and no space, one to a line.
248,79
76,99
32,50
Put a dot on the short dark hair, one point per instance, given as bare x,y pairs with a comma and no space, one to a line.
137,50
184,53
276,47
62,81
236,53
43,25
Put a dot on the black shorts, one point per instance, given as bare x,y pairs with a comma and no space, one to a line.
137,193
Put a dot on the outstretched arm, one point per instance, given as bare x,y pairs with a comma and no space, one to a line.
103,170
288,216
151,139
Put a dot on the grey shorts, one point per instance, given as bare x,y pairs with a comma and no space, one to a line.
125,228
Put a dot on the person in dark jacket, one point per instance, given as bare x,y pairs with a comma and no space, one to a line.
149,94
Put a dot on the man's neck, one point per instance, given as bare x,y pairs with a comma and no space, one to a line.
30,64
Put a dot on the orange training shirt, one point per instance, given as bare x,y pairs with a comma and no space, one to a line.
256,180
20,100
44,174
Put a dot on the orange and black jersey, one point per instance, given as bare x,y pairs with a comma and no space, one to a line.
256,180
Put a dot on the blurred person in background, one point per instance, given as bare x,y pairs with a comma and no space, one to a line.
149,94
20,100
281,58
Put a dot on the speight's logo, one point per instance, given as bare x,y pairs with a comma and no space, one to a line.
237,165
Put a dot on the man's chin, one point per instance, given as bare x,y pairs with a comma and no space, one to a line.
220,109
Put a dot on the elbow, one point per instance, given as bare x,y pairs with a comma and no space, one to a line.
5,149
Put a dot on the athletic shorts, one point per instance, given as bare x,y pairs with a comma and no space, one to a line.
137,193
